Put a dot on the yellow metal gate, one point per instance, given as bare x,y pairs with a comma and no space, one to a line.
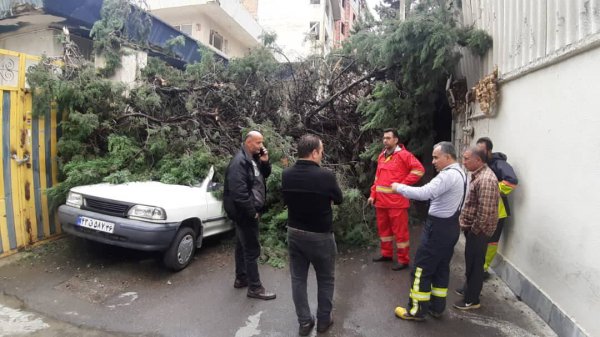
28,164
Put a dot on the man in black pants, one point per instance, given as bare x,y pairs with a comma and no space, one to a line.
244,198
478,220
431,270
308,191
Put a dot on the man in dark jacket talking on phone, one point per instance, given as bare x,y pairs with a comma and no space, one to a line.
244,198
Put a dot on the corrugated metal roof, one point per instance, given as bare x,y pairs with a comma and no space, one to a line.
528,33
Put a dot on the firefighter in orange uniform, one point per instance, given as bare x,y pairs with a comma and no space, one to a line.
394,164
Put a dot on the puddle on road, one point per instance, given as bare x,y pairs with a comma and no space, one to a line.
251,328
14,322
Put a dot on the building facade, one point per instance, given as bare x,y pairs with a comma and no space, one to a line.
352,11
546,121
303,27
225,26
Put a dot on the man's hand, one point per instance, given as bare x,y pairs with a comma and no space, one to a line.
371,201
257,216
264,154
394,186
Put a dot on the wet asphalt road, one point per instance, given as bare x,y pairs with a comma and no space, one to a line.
94,290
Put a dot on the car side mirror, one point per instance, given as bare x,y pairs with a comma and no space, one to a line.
214,186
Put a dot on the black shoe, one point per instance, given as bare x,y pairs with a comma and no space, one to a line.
462,305
382,259
261,294
240,283
486,276
399,266
306,328
324,326
434,314
459,292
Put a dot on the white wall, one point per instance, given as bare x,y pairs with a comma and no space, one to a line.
547,123
44,41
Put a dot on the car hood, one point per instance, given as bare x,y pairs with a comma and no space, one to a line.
150,193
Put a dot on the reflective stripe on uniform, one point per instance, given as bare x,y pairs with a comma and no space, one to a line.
402,244
415,288
384,189
420,296
439,292
417,173
386,238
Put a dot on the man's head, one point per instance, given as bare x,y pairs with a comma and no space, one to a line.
474,158
390,138
485,144
443,155
310,147
253,142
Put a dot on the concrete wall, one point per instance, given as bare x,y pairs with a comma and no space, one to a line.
547,123
44,41
547,56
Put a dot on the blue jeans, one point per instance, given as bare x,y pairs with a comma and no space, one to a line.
319,249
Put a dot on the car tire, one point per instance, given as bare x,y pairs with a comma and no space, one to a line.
182,249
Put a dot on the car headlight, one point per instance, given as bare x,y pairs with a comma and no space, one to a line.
74,199
147,212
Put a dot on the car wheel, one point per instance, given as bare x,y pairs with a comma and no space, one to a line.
182,249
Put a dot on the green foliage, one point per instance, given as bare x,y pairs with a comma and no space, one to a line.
477,40
417,57
354,220
171,44
120,21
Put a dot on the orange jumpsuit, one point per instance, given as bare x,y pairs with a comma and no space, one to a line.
391,208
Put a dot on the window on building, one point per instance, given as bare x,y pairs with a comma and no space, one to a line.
184,28
344,3
344,29
216,40
315,30
315,2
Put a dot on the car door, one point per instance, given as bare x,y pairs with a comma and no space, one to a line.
215,221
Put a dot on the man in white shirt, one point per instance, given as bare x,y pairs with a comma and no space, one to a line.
431,269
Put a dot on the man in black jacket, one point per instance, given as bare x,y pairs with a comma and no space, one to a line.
244,198
507,182
308,191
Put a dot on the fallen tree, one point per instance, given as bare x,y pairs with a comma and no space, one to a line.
174,124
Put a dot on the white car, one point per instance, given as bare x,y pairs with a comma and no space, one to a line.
149,216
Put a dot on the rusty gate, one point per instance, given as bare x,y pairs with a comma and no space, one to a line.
29,161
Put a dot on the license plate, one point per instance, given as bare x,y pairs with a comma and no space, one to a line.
99,225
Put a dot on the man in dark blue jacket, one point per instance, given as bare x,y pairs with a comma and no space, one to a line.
507,182
244,198
308,191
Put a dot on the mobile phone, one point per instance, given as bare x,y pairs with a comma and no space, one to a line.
262,151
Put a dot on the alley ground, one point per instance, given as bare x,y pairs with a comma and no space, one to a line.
71,288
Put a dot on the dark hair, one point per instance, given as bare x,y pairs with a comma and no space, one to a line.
488,143
447,148
307,144
478,153
393,131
